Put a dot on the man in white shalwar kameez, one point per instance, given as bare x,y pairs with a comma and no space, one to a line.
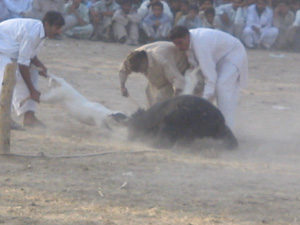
225,16
223,61
20,40
259,29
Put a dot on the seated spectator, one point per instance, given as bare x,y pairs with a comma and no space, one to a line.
204,5
125,24
101,15
77,20
294,6
296,32
283,19
146,9
274,3
175,6
4,13
17,8
41,7
259,30
89,3
184,8
225,16
158,24
217,3
241,18
191,20
209,16
136,4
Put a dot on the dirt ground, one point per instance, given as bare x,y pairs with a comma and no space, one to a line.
132,184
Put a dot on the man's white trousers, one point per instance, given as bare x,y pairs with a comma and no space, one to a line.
21,91
228,91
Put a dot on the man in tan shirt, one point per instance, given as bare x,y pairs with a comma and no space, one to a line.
162,64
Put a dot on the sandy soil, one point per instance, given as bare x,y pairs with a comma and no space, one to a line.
256,184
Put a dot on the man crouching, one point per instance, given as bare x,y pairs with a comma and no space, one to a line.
162,64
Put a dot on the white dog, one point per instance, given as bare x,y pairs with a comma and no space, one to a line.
78,106
193,82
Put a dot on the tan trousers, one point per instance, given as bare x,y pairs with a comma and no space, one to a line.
155,95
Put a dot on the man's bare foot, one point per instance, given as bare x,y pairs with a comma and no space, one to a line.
15,126
31,121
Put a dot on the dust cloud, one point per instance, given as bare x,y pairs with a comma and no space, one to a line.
136,184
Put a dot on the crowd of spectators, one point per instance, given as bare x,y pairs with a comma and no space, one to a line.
267,24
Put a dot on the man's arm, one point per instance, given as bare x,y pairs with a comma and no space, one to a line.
123,75
34,94
42,68
174,76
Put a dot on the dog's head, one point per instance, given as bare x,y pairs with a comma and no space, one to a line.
56,92
118,118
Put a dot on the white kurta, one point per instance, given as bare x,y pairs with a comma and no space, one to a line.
16,7
297,19
267,35
230,12
223,61
20,40
4,13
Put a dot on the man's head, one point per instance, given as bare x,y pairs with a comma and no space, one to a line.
184,7
261,5
53,22
206,4
76,3
175,5
210,15
193,12
126,6
108,2
249,2
138,61
180,36
157,8
236,3
282,7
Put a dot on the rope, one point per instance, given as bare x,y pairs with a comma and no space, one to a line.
42,155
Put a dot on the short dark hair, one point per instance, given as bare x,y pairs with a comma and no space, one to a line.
209,11
124,2
185,2
135,60
54,18
194,7
211,1
158,4
178,32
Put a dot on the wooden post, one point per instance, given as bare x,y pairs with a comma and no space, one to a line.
8,84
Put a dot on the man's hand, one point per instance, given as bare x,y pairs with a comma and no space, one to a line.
225,19
72,9
157,23
209,97
256,29
177,92
35,95
124,92
43,71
